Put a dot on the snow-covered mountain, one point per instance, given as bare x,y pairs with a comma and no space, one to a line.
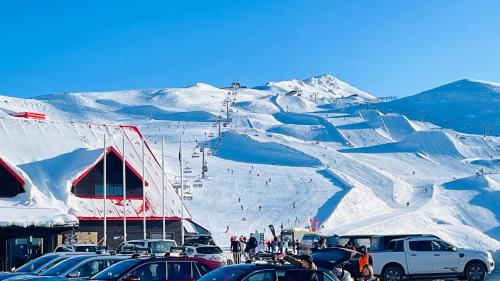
322,87
303,155
469,106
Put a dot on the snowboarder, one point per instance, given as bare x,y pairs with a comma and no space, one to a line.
239,200
266,182
413,172
294,205
407,204
227,229
241,206
260,207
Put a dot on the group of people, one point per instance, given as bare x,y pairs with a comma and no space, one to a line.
279,245
242,248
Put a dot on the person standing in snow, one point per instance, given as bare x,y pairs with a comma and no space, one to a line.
243,246
252,245
236,250
260,207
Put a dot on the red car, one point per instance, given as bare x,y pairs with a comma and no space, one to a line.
157,269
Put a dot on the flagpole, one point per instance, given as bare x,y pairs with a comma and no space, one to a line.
124,192
143,192
105,234
163,185
182,190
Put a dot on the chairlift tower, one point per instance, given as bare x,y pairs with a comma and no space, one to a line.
219,127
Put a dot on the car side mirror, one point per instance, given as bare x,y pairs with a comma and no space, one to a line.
452,249
132,278
74,274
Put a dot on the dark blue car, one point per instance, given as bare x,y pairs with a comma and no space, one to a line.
35,266
80,266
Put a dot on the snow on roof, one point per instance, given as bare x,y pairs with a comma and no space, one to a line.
50,156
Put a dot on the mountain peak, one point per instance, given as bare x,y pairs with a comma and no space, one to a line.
325,85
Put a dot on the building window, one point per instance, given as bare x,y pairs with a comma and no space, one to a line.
111,189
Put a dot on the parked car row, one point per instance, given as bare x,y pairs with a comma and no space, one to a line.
401,257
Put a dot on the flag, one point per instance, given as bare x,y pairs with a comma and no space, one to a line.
310,221
271,227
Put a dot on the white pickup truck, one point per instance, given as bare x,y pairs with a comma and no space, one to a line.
430,257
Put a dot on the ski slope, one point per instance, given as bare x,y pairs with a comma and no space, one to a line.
355,170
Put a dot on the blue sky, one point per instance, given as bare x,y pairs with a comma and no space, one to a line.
383,47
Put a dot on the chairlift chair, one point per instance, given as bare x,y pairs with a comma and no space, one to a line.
188,196
187,170
211,135
195,155
176,185
197,184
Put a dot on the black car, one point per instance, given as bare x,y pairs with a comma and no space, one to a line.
338,258
267,272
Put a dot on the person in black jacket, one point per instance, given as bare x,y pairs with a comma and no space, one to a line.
236,249
252,245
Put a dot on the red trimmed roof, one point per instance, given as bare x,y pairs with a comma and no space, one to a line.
110,149
18,178
151,218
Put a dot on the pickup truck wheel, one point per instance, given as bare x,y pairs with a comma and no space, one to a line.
475,272
393,273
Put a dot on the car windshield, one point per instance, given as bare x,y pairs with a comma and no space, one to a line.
87,248
116,270
160,246
36,263
209,250
223,274
63,266
50,264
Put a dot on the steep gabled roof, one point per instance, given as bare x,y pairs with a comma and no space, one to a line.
52,156
108,151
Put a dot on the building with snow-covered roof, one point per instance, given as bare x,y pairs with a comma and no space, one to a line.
52,181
